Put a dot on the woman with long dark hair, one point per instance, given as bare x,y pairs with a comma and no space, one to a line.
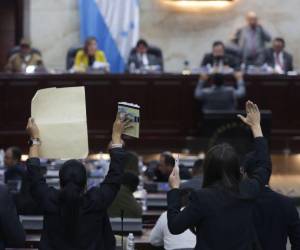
75,218
221,212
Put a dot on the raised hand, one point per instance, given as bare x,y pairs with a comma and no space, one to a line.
32,129
253,118
120,125
174,178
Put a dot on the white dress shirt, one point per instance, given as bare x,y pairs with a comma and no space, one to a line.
161,236
279,62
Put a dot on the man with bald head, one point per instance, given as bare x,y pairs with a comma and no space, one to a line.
251,39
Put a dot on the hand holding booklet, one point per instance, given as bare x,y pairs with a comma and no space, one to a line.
131,112
60,114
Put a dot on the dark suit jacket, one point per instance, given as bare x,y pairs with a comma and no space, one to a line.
276,219
23,200
268,57
95,231
153,60
223,219
228,60
11,230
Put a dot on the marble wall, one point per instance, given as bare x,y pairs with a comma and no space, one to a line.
53,27
183,34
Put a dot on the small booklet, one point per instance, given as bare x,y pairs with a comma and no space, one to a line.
132,112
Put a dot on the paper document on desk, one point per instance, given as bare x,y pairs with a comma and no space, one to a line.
60,114
132,112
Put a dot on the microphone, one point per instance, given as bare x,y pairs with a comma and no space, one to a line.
122,229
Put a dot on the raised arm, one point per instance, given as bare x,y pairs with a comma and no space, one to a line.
106,193
179,221
252,185
38,186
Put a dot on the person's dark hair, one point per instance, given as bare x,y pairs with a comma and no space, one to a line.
16,153
218,43
88,41
168,159
221,166
218,79
184,196
73,179
142,42
131,181
280,39
197,167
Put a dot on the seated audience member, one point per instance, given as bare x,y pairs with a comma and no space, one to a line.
90,58
218,96
125,200
197,177
275,216
218,61
19,61
161,171
140,59
11,231
15,177
161,236
75,218
251,39
277,58
221,212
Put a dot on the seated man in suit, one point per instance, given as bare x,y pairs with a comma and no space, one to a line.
218,96
140,59
277,58
275,216
218,60
90,57
125,200
19,61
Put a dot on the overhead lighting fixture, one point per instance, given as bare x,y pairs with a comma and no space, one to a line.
194,5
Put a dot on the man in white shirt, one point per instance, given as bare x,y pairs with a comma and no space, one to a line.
161,236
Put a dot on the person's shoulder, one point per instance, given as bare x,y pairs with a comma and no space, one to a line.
80,52
100,52
203,194
287,54
208,55
14,56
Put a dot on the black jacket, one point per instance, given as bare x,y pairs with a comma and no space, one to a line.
276,219
11,230
227,60
23,200
223,219
95,231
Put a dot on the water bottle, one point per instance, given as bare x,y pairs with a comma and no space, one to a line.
144,199
132,68
186,68
130,242
2,153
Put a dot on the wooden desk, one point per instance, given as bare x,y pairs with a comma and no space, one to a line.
168,110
